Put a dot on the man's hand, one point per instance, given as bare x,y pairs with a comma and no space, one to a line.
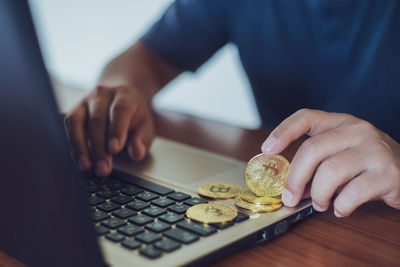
102,123
344,155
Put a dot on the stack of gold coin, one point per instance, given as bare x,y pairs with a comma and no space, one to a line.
214,212
265,176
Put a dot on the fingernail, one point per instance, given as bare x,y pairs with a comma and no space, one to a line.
84,162
113,145
130,152
317,208
140,150
337,214
288,198
101,168
270,144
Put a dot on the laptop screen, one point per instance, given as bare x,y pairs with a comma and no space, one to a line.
43,218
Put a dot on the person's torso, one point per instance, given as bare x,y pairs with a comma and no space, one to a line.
339,56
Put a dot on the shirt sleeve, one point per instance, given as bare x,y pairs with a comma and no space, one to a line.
188,33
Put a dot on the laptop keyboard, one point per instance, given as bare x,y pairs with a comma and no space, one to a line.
144,216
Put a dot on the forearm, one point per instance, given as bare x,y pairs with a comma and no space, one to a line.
140,68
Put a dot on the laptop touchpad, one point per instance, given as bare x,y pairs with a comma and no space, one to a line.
170,161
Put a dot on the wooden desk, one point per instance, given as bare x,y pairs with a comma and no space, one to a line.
369,237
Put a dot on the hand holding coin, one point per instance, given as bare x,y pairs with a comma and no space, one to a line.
345,158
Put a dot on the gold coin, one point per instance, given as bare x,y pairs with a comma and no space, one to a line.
259,208
211,213
219,190
248,196
265,175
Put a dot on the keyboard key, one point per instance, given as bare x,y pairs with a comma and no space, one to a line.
148,237
222,226
124,213
101,230
181,236
147,196
179,196
140,219
116,237
134,180
197,228
179,208
194,201
150,252
131,243
157,226
108,206
137,205
167,245
113,223
95,200
163,202
122,199
107,193
130,230
115,184
171,218
131,190
99,216
153,211
241,217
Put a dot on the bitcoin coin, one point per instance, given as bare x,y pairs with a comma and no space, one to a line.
219,190
265,175
248,196
259,208
211,213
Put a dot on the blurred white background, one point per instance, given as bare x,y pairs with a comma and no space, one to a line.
79,37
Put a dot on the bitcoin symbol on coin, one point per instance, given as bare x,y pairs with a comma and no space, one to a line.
265,175
219,190
211,213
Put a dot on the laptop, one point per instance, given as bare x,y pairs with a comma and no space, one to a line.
54,215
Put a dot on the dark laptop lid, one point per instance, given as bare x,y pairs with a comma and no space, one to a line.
43,219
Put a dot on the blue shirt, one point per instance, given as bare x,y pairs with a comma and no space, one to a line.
333,55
